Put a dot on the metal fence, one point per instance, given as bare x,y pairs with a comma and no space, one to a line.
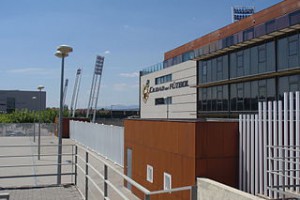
93,175
261,136
21,165
26,129
284,170
106,140
96,176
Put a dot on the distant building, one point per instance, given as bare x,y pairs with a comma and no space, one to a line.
241,12
11,100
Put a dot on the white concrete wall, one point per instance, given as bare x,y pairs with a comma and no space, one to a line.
183,99
212,190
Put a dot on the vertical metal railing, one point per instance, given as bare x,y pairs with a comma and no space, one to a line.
86,175
76,162
276,124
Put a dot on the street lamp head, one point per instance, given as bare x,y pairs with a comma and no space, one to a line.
65,49
60,54
40,87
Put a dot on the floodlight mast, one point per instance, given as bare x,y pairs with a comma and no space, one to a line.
95,88
75,93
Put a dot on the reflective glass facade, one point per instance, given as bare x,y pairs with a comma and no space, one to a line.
235,82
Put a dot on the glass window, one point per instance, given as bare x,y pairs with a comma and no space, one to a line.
168,100
233,65
293,45
233,97
288,52
188,56
204,99
219,98
288,84
254,95
240,96
282,53
208,71
240,64
209,95
262,90
262,54
254,60
214,98
225,97
159,101
270,51
167,181
214,69
271,90
283,86
293,58
163,79
149,173
247,96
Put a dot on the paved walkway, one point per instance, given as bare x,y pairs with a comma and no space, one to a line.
48,193
26,188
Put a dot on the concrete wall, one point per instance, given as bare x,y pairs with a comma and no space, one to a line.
212,190
183,98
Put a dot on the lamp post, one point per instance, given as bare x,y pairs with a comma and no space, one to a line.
111,110
34,98
40,87
166,101
62,52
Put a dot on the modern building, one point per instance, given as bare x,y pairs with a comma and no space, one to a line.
167,93
11,100
219,75
254,59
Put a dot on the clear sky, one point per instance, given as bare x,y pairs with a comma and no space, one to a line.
131,34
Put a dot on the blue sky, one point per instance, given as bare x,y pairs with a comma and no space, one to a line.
131,34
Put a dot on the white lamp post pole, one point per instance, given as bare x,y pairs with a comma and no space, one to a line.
34,98
40,87
62,52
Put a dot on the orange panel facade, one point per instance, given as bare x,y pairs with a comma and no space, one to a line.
183,149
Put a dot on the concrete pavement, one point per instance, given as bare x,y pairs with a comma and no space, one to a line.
26,188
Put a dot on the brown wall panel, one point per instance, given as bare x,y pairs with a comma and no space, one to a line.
223,170
217,151
183,149
168,147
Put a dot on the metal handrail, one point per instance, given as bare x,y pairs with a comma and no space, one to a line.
34,145
134,183
35,155
36,165
287,156
107,182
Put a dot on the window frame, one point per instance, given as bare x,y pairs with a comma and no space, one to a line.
169,176
149,173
